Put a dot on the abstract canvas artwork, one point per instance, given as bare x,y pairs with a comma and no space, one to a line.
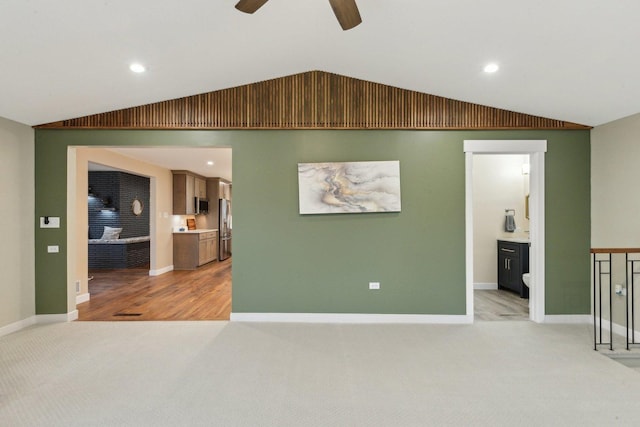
351,187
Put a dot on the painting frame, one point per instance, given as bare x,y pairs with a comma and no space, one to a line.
349,187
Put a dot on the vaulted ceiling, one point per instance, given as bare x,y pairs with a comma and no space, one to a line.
570,60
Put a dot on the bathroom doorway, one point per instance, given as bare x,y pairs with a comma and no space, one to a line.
500,236
534,204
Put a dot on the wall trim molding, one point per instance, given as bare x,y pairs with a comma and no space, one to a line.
313,100
485,286
536,150
38,319
16,326
505,146
618,329
160,271
57,318
83,298
351,318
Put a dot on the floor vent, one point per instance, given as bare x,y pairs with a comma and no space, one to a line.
128,314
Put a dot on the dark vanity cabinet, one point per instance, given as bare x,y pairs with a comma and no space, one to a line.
513,262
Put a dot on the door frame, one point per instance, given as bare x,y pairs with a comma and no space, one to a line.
536,150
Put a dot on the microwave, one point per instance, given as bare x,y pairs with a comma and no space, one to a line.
201,205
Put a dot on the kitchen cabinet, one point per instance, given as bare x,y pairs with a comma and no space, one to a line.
513,262
207,247
201,188
187,186
217,188
194,248
225,190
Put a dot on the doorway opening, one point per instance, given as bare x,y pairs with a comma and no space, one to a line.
535,150
501,236
156,288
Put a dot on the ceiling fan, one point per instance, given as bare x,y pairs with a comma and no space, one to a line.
346,11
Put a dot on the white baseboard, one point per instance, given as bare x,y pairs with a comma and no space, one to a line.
568,318
161,270
485,286
617,328
16,326
350,318
38,318
55,318
83,298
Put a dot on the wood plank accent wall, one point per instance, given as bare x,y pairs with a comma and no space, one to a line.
313,100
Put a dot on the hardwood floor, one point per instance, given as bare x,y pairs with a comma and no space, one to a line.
499,305
131,294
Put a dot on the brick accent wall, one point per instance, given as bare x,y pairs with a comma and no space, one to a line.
105,187
134,187
118,190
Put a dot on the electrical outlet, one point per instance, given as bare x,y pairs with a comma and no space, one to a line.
53,249
77,286
374,285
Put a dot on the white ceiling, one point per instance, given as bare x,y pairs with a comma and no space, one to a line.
573,60
193,159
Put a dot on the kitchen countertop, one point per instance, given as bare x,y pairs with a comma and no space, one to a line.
198,231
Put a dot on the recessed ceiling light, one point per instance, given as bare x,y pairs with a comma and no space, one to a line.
210,163
137,68
491,68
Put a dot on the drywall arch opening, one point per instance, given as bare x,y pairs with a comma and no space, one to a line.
536,150
78,160
154,163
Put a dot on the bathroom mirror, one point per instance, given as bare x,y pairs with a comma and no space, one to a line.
137,207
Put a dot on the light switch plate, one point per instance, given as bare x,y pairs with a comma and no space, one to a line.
374,285
53,249
54,222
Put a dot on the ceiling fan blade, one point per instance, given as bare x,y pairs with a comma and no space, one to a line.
250,6
347,13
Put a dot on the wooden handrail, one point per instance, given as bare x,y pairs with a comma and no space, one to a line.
614,250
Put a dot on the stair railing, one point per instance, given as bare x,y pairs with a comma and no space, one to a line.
602,262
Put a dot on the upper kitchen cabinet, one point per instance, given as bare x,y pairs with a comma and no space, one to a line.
225,190
218,188
201,188
186,187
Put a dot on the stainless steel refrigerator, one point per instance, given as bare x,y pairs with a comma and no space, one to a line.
224,229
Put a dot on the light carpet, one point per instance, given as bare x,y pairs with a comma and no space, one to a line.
257,374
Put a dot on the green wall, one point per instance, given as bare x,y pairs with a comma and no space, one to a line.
284,262
568,224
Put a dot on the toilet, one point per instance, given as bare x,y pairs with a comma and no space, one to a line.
526,278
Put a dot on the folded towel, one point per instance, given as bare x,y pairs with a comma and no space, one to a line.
510,223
